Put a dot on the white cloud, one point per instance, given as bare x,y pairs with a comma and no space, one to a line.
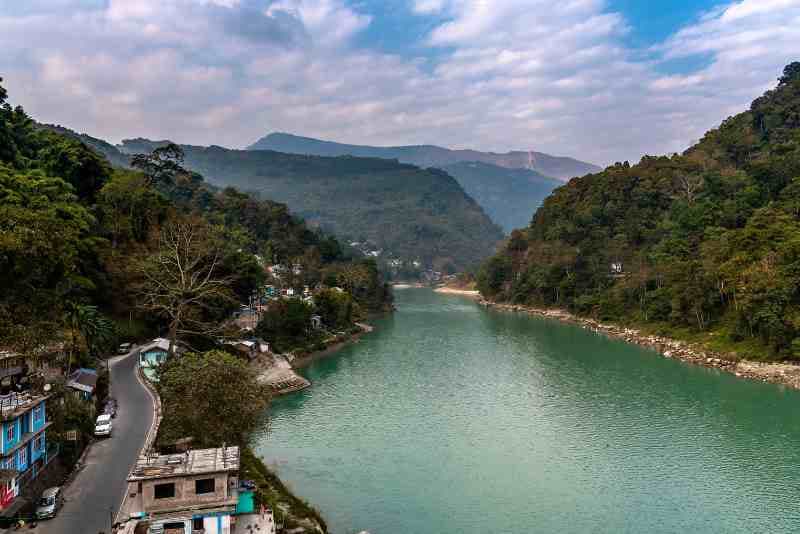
508,74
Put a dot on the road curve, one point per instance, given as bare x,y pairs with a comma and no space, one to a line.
96,493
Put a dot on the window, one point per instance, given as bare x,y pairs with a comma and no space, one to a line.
38,443
37,413
164,491
204,485
197,523
22,457
10,432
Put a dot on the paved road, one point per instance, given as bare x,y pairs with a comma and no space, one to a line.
99,487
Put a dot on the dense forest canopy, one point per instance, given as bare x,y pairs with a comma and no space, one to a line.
73,229
708,240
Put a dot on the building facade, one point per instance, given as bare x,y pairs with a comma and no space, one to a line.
197,491
23,447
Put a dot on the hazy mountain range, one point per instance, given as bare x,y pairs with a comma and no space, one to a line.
562,168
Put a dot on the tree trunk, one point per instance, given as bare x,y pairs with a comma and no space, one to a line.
173,334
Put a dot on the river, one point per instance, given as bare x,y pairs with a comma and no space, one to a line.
454,419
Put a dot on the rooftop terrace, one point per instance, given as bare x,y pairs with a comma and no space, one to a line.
194,462
15,404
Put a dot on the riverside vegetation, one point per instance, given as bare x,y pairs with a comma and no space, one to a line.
703,245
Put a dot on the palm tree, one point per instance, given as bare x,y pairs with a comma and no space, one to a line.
88,325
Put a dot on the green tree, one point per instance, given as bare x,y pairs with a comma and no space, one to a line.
791,73
162,165
285,324
214,398
337,309
44,234
87,329
71,160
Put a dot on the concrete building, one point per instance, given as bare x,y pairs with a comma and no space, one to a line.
154,354
197,491
23,445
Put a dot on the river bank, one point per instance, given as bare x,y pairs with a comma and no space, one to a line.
782,373
279,371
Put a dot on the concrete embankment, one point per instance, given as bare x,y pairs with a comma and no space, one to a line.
784,373
278,371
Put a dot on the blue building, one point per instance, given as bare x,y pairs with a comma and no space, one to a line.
23,446
154,354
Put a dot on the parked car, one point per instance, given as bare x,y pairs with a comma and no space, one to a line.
103,426
110,407
125,348
49,503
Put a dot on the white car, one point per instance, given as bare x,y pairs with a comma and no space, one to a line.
103,426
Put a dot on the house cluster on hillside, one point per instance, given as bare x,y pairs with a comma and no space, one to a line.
26,393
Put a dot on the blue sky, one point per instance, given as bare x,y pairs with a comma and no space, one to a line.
602,80
396,29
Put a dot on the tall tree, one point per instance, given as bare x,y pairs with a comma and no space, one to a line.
88,328
162,165
182,280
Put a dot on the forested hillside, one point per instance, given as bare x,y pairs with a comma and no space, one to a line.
702,243
509,187
509,196
407,213
74,232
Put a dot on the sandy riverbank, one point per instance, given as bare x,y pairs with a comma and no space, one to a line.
454,291
784,373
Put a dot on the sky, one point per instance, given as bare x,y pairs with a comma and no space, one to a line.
600,80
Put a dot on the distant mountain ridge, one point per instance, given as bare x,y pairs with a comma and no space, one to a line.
409,214
559,167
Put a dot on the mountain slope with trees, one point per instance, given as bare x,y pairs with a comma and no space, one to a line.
508,186
509,196
706,243
407,212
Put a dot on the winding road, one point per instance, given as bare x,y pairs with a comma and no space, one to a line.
94,496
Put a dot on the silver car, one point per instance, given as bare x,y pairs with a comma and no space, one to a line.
49,503
103,426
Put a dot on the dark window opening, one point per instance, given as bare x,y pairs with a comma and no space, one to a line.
164,491
197,523
174,526
204,485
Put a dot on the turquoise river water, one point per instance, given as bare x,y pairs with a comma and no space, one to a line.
453,419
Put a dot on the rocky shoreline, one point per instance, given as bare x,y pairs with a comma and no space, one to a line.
279,371
782,373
